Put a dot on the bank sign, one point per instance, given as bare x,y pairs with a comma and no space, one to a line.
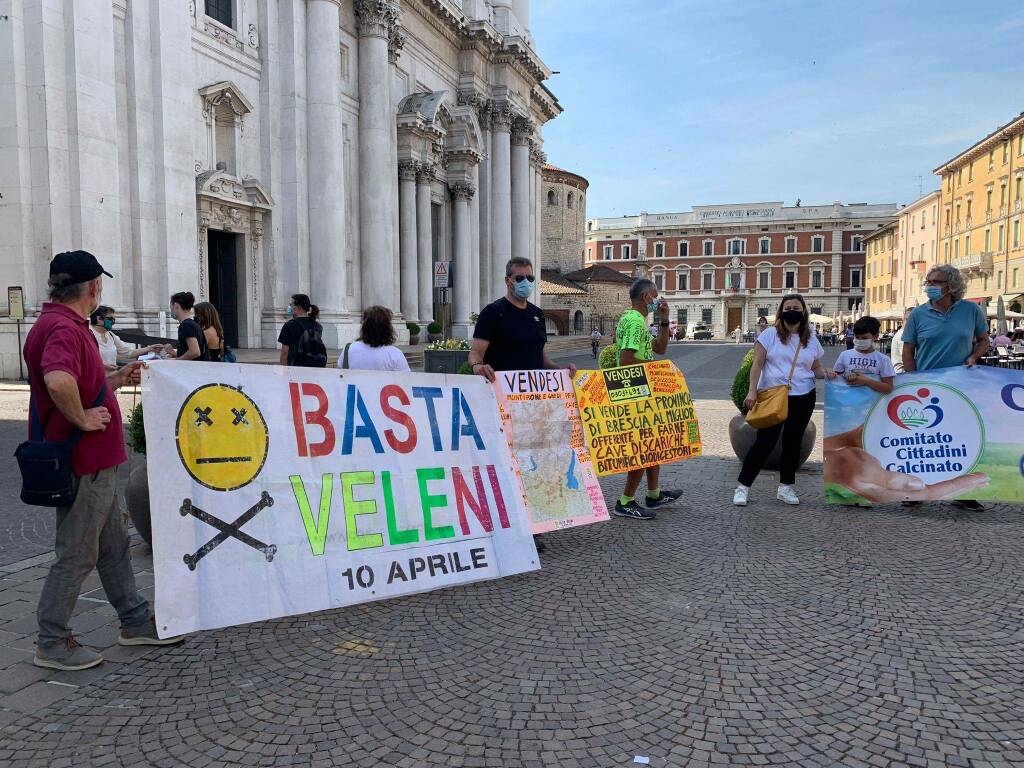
944,434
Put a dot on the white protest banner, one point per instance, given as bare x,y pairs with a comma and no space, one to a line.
542,424
276,491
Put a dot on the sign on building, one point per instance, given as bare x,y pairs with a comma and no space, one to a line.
442,274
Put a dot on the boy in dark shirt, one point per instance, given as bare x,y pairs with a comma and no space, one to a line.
191,340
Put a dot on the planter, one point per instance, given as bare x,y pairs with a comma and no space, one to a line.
444,360
742,437
431,337
136,497
414,339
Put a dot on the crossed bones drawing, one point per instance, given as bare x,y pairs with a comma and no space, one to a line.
228,530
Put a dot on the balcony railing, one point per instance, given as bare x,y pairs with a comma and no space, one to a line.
980,262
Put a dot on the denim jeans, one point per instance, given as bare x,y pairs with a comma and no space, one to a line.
90,534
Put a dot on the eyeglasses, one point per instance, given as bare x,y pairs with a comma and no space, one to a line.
520,278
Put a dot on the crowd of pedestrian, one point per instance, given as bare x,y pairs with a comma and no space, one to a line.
73,357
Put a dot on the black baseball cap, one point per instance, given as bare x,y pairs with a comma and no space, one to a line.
80,265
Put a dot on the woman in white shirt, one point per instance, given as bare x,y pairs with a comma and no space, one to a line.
375,350
774,351
111,347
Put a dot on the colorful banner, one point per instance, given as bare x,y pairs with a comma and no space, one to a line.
637,416
277,491
952,433
542,424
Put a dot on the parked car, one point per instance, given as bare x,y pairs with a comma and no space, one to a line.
700,331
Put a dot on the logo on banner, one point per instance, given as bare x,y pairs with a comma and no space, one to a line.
915,412
932,432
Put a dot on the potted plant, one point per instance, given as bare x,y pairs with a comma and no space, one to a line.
136,495
608,357
742,435
446,356
414,333
434,331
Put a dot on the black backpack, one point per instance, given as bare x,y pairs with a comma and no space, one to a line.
310,351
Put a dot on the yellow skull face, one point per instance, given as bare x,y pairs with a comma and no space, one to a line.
222,437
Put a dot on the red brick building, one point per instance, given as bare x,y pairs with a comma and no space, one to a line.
726,265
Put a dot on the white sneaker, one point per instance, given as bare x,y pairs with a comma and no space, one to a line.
787,494
739,496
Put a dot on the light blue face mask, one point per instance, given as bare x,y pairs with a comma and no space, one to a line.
933,292
290,310
522,289
653,307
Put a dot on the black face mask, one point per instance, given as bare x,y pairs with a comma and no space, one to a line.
792,316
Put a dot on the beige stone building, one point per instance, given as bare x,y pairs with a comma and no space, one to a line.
982,206
918,249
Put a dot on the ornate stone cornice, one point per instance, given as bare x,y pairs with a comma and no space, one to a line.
462,191
376,18
537,157
407,170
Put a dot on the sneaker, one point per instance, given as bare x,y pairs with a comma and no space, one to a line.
740,495
664,497
633,510
787,494
145,634
67,655
970,505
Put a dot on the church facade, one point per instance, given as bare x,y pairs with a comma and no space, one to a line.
250,149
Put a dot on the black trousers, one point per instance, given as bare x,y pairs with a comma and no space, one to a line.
792,430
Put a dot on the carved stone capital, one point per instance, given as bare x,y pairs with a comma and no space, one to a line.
501,116
376,18
407,170
396,42
462,191
522,130
425,173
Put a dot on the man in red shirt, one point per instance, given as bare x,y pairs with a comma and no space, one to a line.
71,390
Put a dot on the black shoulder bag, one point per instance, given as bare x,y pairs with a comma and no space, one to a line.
46,476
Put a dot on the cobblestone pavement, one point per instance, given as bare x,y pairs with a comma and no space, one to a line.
25,531
712,636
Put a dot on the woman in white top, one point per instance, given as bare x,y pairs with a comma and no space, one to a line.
773,357
111,347
375,350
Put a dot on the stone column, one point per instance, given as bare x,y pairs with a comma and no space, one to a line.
325,176
522,130
462,248
424,243
483,204
376,21
474,248
501,195
409,265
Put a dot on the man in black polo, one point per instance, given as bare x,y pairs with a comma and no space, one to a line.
510,334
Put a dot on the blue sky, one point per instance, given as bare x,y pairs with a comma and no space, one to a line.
675,103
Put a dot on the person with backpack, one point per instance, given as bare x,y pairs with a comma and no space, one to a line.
301,338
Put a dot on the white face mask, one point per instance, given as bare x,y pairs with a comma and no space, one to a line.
863,345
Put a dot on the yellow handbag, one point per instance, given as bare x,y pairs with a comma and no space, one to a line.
772,406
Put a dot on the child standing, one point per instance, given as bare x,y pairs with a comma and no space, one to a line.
864,366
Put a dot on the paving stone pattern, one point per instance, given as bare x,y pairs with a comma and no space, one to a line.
773,635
